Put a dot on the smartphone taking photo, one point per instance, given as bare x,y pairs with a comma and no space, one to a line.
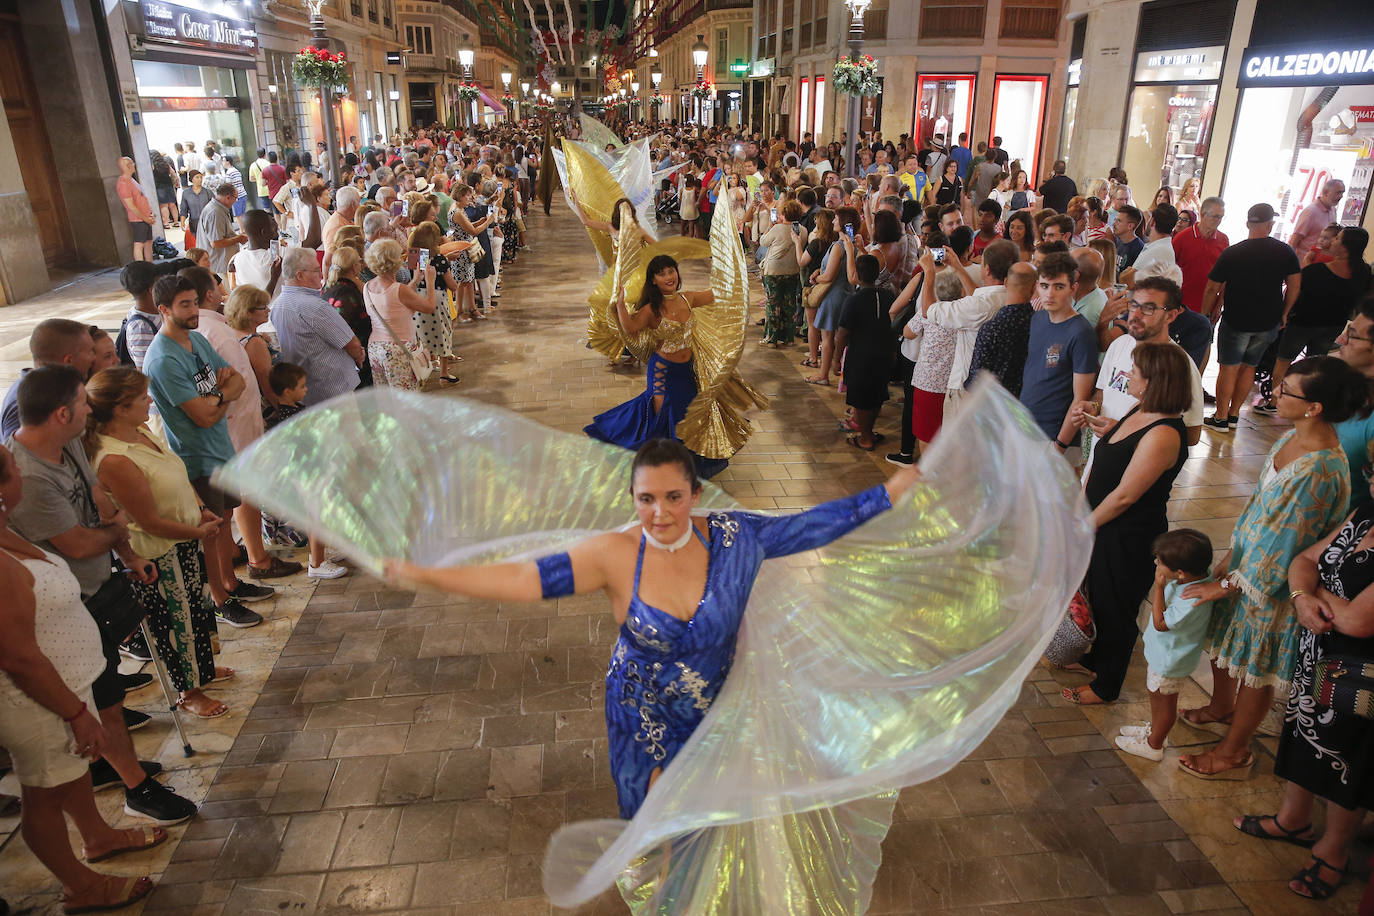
274,247
939,255
849,230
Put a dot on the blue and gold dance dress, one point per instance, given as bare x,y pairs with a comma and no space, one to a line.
665,671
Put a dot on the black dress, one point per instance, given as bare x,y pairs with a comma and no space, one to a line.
348,299
1328,753
949,193
1121,569
869,351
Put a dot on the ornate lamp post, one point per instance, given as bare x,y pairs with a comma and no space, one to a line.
331,142
655,77
857,8
634,89
700,52
465,57
505,88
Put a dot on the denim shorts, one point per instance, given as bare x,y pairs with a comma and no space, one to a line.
1317,341
1236,348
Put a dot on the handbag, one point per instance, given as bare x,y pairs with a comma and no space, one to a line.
1076,632
476,253
1344,683
419,357
815,294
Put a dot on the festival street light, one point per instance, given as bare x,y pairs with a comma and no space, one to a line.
700,52
465,58
857,8
331,143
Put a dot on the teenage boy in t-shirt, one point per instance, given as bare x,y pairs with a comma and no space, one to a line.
1061,359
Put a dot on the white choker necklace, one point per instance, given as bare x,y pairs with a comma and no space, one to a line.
673,547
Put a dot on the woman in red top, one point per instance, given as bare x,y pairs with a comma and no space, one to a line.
136,206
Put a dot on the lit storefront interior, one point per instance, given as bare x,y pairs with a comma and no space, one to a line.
1173,104
944,105
1018,117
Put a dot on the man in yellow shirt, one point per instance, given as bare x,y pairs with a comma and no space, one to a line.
258,196
914,179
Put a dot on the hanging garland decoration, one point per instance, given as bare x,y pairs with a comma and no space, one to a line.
548,8
702,90
508,101
856,76
469,92
657,99
317,68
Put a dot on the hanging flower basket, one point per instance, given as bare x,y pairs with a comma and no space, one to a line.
469,92
657,99
856,76
507,100
702,90
317,68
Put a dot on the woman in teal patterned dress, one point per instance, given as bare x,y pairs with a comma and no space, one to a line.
1303,491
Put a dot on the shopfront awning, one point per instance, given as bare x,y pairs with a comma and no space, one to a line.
492,103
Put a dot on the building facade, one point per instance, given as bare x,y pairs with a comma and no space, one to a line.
980,67
1254,100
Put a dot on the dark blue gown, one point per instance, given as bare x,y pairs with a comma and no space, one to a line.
665,672
635,422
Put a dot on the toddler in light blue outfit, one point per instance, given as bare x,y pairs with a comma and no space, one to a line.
1174,640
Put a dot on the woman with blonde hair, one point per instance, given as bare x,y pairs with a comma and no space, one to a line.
1106,248
166,524
1188,196
245,310
344,291
389,304
435,329
346,236
364,208
1098,188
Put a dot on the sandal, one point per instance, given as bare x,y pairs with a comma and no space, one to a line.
1250,825
1310,880
847,425
1238,773
1202,720
1075,696
222,674
451,379
151,836
215,707
819,381
10,805
854,441
131,890
810,363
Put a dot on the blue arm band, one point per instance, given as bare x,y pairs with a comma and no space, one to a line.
555,575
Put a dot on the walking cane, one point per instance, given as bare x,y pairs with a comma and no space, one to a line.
167,690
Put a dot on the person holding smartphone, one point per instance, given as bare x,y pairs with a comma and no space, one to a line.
434,329
468,221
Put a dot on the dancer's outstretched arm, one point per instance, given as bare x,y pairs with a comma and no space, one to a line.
504,581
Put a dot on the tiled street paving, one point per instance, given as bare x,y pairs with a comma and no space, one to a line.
409,752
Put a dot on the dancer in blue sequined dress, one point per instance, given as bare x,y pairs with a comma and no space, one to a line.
675,648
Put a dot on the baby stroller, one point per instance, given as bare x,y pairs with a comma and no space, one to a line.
666,203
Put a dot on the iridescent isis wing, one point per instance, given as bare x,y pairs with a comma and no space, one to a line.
880,665
715,426
596,191
385,473
593,131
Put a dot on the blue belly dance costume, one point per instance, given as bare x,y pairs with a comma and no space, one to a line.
665,671
635,422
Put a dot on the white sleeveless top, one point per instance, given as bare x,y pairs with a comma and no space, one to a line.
65,630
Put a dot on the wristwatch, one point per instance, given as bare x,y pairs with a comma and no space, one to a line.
220,395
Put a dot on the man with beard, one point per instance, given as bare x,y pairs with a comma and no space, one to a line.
193,388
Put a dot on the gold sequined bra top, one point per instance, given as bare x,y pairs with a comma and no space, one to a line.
674,336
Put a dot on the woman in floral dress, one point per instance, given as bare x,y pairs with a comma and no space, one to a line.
1304,487
435,330
1324,752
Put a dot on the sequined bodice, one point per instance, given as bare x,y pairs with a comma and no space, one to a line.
674,336
665,671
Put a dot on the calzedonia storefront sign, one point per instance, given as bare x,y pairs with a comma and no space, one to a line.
1308,66
170,23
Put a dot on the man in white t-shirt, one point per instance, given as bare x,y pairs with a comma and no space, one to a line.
1154,304
819,162
1156,259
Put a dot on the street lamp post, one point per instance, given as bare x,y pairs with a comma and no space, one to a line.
857,8
634,89
331,142
465,56
655,77
505,88
700,51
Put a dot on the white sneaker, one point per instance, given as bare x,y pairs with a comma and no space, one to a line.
1136,731
1140,747
326,570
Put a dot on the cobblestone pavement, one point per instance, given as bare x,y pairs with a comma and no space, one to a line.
408,752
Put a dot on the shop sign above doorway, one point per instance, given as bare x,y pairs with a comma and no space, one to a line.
1305,65
170,23
1180,66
